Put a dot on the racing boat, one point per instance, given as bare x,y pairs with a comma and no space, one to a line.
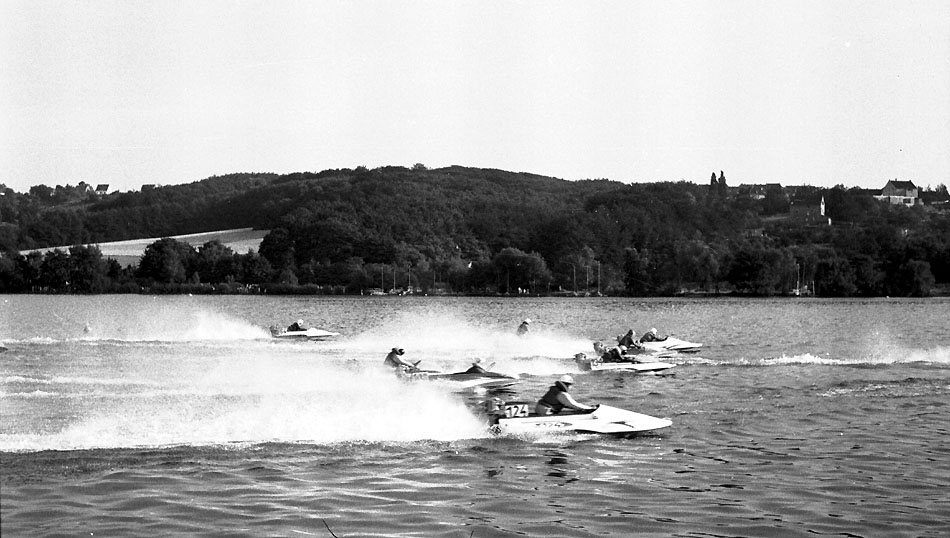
309,334
516,417
475,377
487,380
631,363
669,344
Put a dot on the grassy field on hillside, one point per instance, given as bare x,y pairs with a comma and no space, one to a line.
240,240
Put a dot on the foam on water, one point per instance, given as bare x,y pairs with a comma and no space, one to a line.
894,354
180,324
255,401
149,323
436,333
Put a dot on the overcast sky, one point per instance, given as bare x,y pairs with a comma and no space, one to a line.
803,92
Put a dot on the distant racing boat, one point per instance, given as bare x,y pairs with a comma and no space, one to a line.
308,334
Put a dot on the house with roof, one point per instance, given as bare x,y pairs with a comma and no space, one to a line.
899,193
102,189
758,192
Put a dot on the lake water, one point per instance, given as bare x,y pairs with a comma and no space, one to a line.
180,416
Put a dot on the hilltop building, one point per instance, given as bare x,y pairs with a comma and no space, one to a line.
899,193
759,192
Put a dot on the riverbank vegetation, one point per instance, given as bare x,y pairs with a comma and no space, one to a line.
473,231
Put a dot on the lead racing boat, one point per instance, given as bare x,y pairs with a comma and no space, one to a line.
307,334
671,344
516,417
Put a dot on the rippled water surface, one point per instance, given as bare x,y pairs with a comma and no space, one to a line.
180,416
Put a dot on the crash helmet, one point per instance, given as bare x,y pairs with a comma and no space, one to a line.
527,320
653,331
566,379
299,322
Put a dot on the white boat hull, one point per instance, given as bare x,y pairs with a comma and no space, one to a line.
605,419
633,364
642,367
671,344
309,334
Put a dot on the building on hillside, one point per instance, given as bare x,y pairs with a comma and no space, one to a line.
899,193
758,192
102,189
809,212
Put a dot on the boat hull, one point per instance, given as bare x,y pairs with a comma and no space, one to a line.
309,334
671,344
640,367
605,419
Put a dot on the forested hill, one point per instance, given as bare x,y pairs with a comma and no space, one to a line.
470,230
407,205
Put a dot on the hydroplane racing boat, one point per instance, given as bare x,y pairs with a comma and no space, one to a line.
474,377
669,344
516,418
309,334
631,363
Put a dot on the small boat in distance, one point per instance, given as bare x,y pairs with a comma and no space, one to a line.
306,334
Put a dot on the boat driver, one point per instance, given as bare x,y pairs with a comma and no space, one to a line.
523,328
395,360
614,354
650,336
629,339
557,398
298,325
476,367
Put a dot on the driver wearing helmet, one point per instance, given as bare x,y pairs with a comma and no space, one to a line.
557,398
476,367
298,325
395,360
629,339
650,336
523,328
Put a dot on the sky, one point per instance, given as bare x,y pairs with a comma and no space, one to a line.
137,92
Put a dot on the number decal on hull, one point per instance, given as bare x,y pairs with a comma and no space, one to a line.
516,410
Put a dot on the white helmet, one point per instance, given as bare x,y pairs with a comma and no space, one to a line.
527,320
566,379
653,330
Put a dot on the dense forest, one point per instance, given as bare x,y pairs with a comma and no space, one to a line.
478,231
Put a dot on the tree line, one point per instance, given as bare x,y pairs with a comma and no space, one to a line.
475,231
